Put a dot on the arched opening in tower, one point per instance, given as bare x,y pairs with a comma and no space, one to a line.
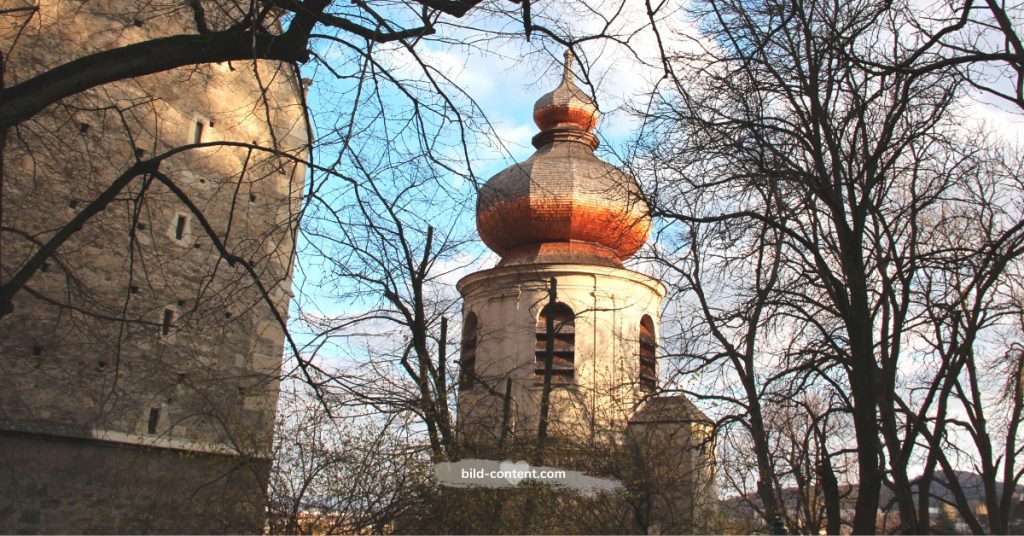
563,367
467,361
648,355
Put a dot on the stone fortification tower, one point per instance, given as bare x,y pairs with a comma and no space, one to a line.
139,366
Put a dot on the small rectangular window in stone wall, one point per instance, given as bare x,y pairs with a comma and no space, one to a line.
154,420
167,324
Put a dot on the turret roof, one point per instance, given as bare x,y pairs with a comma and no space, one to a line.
563,204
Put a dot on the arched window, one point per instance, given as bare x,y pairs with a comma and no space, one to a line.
648,351
467,361
564,333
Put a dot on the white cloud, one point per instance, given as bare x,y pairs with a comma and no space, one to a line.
983,112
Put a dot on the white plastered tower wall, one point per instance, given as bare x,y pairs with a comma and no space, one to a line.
608,304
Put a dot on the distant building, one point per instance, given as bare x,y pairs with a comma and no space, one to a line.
563,221
741,513
320,523
139,367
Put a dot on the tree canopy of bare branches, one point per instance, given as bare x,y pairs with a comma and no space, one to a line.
844,238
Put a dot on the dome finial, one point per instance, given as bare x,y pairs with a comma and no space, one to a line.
566,107
567,75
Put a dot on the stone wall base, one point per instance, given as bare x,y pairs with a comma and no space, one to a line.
53,484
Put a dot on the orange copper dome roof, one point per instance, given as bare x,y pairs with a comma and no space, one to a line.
563,204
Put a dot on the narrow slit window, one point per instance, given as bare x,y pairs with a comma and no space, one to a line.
467,361
197,134
563,366
648,355
165,326
154,420
179,227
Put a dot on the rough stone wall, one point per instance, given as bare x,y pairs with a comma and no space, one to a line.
98,487
137,332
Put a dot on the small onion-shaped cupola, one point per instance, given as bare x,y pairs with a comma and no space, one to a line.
563,204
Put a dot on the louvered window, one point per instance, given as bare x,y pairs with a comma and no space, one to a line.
563,358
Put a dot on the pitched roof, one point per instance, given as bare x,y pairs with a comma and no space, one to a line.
674,408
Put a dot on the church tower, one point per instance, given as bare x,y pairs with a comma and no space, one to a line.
559,343
563,221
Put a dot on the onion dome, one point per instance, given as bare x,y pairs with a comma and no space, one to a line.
563,204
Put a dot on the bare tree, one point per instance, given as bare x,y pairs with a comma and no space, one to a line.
153,210
387,261
838,175
222,31
341,474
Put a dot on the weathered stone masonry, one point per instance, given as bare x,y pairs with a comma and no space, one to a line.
140,369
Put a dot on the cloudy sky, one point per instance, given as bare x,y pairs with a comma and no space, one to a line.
503,76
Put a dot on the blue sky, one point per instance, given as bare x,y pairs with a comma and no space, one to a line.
503,77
